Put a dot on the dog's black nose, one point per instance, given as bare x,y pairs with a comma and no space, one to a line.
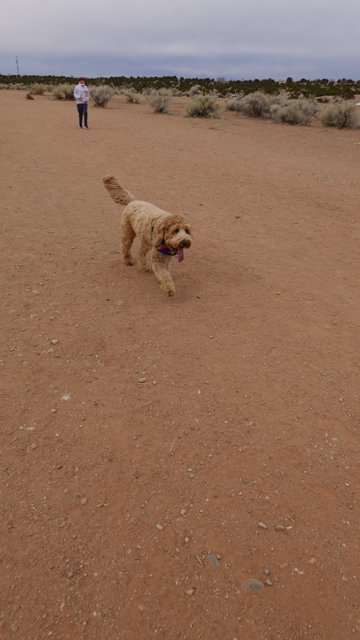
185,244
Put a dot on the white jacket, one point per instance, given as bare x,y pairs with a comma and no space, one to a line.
81,94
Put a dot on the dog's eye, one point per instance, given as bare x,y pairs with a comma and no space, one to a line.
177,230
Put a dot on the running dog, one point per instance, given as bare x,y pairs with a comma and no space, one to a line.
161,234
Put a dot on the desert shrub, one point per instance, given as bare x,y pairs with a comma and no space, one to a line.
341,115
131,96
29,96
64,92
101,95
233,105
17,86
255,105
38,89
195,90
159,100
203,107
293,112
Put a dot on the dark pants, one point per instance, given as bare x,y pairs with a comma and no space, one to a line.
83,113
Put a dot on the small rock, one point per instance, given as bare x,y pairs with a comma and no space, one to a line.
262,525
183,512
83,501
253,585
268,582
142,380
190,592
54,341
159,527
280,527
214,559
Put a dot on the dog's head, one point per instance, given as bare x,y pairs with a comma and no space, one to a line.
174,231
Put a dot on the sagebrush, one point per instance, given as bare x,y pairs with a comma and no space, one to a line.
131,96
38,89
101,95
203,107
293,112
159,100
64,92
341,115
255,105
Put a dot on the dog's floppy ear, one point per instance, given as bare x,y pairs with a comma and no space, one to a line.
162,229
157,232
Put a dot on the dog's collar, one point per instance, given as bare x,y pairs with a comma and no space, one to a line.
167,251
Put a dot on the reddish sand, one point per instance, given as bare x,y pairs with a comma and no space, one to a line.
242,444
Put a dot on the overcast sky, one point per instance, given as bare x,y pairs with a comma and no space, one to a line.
234,39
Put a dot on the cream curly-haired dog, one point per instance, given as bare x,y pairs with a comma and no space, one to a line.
161,234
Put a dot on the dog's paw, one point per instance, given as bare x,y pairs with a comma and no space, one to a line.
168,290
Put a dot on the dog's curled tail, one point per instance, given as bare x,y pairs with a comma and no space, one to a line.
118,194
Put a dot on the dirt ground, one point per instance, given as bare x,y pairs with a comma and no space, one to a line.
143,509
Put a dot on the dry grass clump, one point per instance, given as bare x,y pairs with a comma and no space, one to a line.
341,115
64,92
131,96
29,96
195,90
279,108
159,100
293,112
255,105
101,95
203,107
38,89
17,86
233,104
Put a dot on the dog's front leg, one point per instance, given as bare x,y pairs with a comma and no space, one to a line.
160,267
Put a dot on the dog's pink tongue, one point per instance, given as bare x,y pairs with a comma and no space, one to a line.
180,255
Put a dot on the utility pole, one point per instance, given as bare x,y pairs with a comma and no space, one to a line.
17,66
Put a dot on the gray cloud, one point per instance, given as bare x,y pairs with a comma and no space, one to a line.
231,38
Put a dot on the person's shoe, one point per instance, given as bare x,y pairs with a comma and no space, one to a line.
86,127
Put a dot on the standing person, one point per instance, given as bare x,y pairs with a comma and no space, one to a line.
82,97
